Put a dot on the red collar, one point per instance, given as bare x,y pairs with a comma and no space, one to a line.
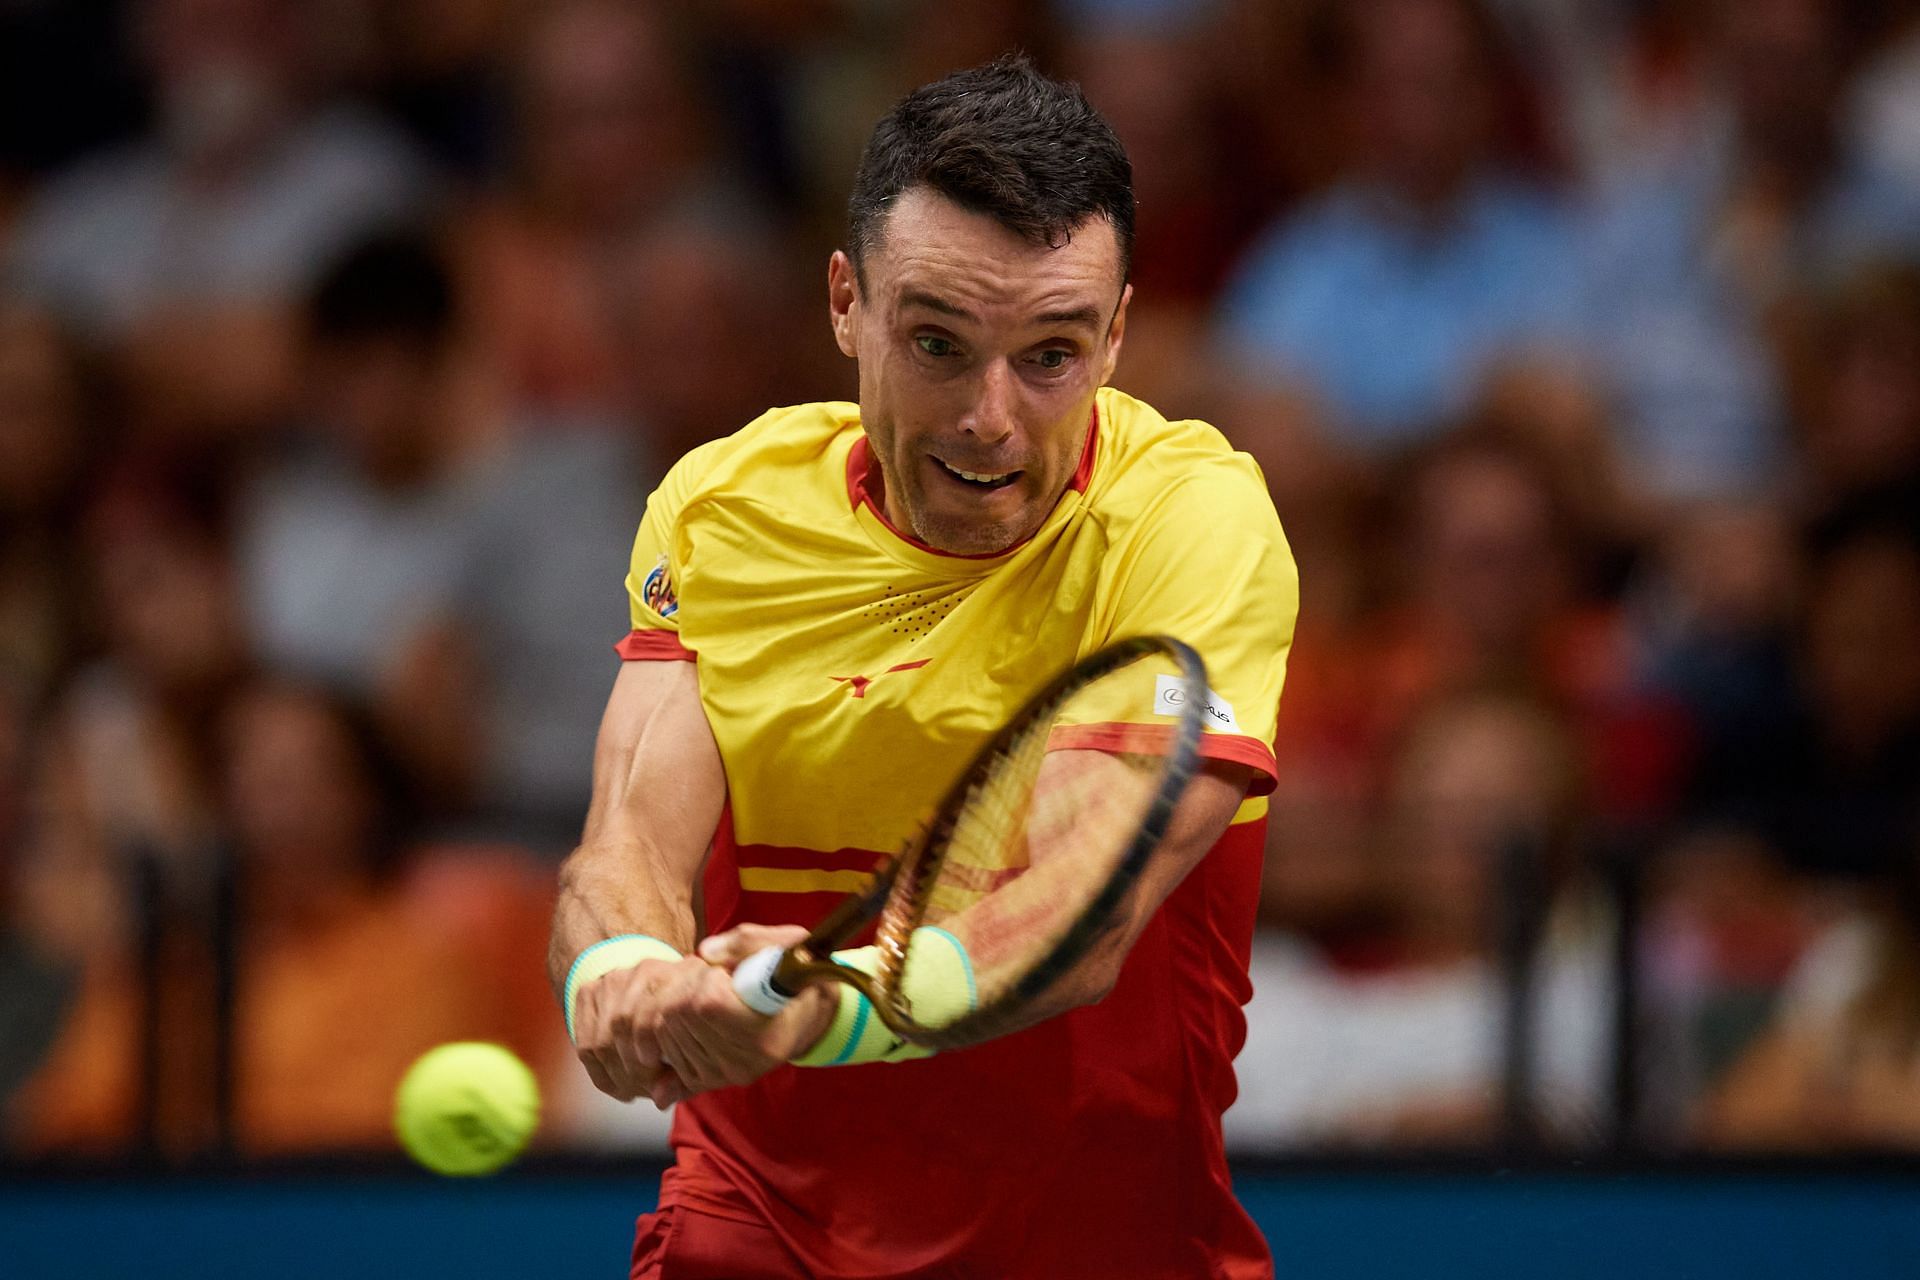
864,484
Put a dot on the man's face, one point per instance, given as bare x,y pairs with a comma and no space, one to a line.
979,355
1421,94
378,395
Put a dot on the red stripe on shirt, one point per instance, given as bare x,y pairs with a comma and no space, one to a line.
796,859
653,646
1157,739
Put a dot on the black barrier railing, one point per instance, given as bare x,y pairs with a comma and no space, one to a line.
224,929
175,920
148,878
1524,902
1621,860
189,927
1521,915
187,1117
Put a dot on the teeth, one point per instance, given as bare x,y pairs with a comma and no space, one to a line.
975,476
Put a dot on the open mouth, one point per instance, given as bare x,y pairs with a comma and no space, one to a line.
984,481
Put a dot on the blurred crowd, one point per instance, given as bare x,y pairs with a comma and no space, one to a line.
341,342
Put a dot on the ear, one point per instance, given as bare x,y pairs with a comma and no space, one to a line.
843,303
1116,334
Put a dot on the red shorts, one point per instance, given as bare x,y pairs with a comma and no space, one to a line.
680,1244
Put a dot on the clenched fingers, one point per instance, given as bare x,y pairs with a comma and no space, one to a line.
616,1027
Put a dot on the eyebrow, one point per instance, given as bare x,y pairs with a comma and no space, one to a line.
1088,314
921,298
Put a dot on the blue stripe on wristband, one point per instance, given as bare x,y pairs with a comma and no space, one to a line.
622,951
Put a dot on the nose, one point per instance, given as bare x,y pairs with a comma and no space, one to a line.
989,418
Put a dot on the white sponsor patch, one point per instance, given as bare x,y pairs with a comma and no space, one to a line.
1170,692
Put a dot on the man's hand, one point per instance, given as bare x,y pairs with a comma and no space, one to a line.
616,1028
713,1040
666,1030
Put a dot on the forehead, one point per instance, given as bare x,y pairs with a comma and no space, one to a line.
929,244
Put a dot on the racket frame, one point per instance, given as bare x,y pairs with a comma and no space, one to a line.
903,884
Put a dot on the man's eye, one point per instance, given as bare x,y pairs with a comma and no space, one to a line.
938,347
1053,358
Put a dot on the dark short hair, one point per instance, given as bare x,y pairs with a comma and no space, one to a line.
392,285
1003,140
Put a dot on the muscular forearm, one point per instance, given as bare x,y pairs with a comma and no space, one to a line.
658,791
607,889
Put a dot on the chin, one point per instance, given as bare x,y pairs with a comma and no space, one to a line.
969,538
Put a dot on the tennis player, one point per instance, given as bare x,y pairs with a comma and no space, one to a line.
832,608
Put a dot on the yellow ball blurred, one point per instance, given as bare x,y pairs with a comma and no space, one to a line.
466,1108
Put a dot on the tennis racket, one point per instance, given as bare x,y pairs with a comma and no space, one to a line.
1030,856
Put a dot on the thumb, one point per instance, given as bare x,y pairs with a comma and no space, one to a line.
728,949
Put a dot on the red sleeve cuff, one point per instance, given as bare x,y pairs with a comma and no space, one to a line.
653,646
1151,739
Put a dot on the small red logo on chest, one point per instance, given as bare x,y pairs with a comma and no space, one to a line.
859,683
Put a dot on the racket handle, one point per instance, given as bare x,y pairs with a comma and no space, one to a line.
753,982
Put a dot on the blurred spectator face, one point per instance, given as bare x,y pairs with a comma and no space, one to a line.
225,71
1473,775
299,792
1146,87
1485,549
1863,641
610,124
692,309
1864,428
437,36
40,443
382,346
165,596
380,397
1419,93
1727,897
965,33
1733,566
1782,63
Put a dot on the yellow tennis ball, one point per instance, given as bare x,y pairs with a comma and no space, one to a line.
466,1108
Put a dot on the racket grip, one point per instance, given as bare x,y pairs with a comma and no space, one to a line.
753,982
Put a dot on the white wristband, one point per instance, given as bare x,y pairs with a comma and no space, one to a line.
603,957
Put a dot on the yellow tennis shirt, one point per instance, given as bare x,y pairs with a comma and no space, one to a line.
849,673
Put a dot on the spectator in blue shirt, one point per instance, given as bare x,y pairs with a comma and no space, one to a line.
1691,264
1387,298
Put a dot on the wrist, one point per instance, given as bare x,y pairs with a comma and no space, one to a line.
623,951
851,1032
937,982
806,1021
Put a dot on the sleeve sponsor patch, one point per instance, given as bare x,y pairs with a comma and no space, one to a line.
1169,693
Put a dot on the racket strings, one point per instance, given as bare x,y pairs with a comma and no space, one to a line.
1034,850
988,840
1042,830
